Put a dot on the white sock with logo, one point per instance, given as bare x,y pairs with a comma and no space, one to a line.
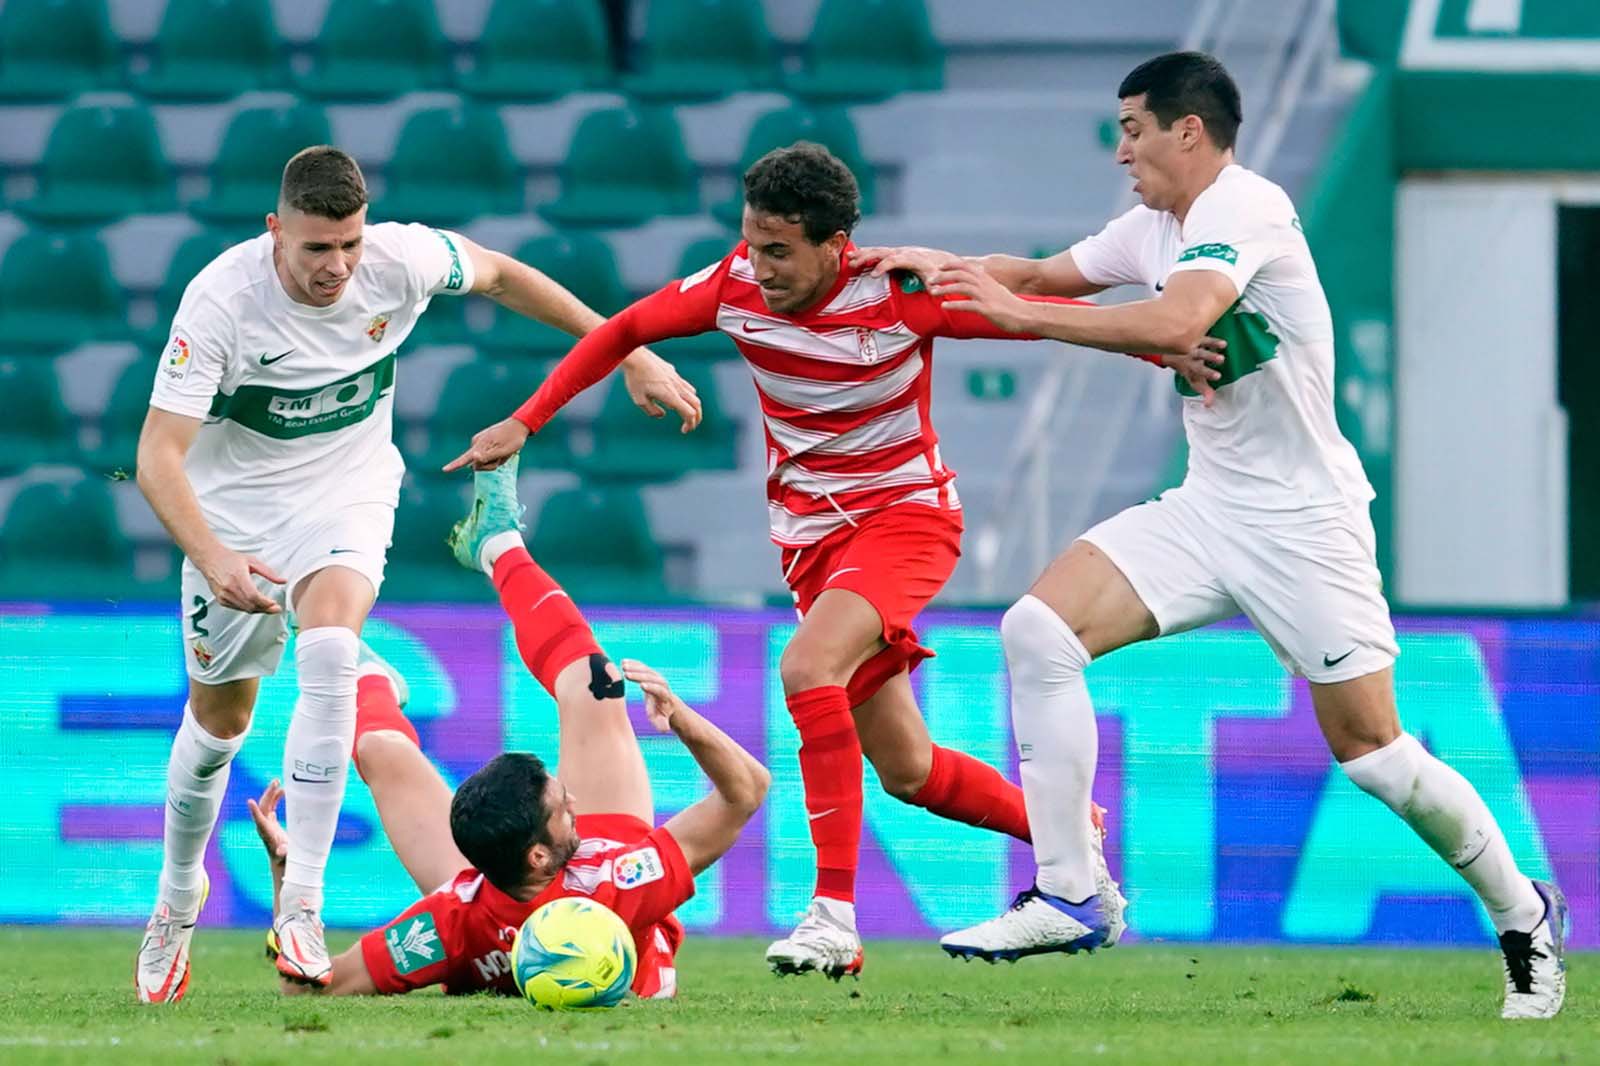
197,779
316,757
1452,819
1057,740
496,546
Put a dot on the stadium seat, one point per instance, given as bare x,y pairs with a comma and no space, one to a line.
444,322
191,257
869,49
451,164
597,543
101,164
62,541
584,264
249,165
702,49
212,49
625,166
36,427
540,49
420,564
56,290
478,394
630,446
51,49
829,127
121,420
376,49
707,347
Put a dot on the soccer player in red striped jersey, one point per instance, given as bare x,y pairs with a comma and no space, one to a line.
861,504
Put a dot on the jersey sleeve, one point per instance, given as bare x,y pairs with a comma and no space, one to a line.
1111,257
649,879
436,260
415,950
197,353
1230,234
680,309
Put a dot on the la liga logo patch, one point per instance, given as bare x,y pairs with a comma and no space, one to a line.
637,868
177,361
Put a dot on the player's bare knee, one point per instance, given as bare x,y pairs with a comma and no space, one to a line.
807,665
378,751
224,710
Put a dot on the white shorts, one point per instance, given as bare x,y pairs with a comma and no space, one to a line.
221,644
1309,583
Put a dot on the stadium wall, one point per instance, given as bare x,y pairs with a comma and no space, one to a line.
1228,820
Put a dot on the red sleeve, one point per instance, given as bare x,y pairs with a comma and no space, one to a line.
649,880
415,950
681,309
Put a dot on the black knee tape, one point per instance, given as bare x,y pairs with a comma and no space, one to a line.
601,686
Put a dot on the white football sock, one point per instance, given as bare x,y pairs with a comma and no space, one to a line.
1057,741
839,910
1452,819
497,546
197,779
316,757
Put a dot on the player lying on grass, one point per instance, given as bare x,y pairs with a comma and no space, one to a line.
515,836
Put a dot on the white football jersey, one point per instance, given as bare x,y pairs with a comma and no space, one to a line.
1270,441
298,401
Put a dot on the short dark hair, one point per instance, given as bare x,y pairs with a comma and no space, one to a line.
499,813
1188,83
323,181
808,184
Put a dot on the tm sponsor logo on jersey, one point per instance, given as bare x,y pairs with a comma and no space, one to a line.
637,868
414,944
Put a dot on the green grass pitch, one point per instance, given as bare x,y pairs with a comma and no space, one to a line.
68,998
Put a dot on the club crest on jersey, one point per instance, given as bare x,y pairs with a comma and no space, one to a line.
376,327
637,868
202,653
867,342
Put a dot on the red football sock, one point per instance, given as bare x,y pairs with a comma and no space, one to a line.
550,630
963,789
378,707
830,766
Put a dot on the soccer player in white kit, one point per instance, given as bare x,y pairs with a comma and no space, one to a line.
1272,519
268,455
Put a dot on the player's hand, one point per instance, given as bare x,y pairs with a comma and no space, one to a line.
264,812
1198,367
923,262
966,287
492,446
231,576
660,702
653,385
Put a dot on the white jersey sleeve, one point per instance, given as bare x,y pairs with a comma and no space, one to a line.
436,260
191,369
1234,233
1114,256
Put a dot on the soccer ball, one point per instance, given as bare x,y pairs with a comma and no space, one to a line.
572,954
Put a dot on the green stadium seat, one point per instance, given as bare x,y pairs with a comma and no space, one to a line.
479,394
869,49
122,419
191,257
36,427
702,49
707,347
40,310
51,49
444,322
597,543
249,166
101,164
625,166
62,541
376,49
829,127
420,564
631,446
212,49
449,165
584,264
539,50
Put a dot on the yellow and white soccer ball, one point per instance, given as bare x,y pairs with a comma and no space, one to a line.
573,954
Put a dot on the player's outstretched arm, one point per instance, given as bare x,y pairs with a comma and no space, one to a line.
1056,275
739,783
163,443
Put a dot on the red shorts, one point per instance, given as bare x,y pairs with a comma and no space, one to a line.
656,976
897,560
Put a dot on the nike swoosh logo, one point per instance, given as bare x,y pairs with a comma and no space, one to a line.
340,551
758,329
822,814
268,361
1335,662
308,780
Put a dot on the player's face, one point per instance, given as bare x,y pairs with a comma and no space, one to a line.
316,256
1151,154
792,272
563,828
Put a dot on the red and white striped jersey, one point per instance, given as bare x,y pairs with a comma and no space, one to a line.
844,386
